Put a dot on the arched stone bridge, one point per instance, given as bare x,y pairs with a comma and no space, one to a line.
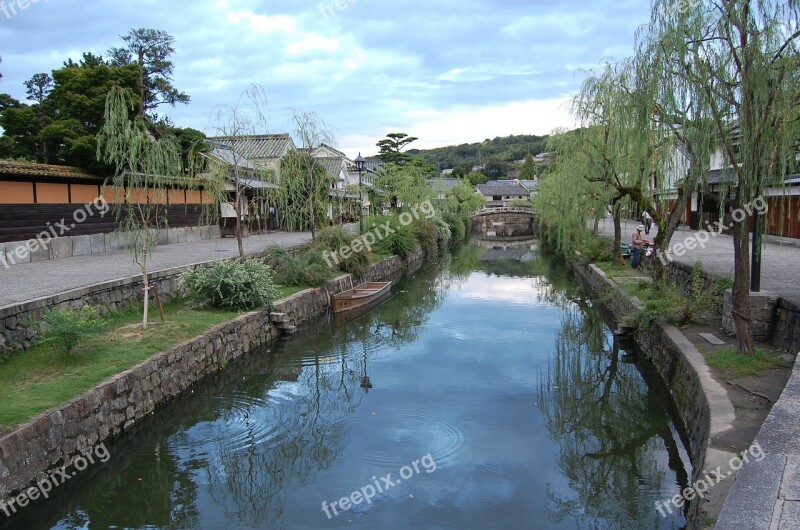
509,221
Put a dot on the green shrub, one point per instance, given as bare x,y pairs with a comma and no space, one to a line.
302,268
443,232
333,239
401,239
597,250
458,228
427,235
65,328
232,284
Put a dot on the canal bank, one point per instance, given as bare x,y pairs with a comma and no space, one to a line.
61,436
745,493
492,361
702,403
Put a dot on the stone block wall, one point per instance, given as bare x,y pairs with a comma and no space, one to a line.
675,361
763,314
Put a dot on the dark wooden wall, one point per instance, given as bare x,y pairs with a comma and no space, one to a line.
20,222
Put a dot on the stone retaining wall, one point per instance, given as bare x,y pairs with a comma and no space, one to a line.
700,401
61,435
776,321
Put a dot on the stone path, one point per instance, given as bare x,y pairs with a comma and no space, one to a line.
29,281
780,262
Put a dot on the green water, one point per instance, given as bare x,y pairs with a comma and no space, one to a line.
488,389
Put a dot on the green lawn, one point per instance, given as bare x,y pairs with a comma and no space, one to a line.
37,379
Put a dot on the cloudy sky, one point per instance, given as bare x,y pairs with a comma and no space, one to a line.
446,71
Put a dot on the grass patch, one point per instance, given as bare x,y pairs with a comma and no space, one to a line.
731,364
37,380
286,292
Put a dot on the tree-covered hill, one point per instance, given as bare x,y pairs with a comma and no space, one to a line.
465,156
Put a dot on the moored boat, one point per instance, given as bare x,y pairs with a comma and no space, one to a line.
363,296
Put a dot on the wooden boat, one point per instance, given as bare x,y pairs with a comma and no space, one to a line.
363,296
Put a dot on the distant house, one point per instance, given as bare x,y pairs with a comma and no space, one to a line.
254,180
501,192
542,159
447,172
441,186
531,185
265,151
713,195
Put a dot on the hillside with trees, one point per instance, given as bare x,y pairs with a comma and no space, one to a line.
499,151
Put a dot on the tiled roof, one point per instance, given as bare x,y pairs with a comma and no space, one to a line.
227,156
442,184
503,187
32,169
332,165
259,147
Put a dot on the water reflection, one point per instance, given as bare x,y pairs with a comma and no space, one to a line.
493,363
618,444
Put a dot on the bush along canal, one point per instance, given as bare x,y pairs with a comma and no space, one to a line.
488,392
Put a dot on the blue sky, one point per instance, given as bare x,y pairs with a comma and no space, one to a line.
447,72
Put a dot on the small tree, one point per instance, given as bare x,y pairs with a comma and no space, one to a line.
233,123
307,183
392,146
144,170
302,195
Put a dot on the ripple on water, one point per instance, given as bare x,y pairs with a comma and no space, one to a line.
401,437
243,421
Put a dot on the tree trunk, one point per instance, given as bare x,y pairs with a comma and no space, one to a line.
238,208
145,280
618,259
741,287
311,212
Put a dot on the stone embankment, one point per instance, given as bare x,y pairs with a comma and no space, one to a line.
59,436
701,402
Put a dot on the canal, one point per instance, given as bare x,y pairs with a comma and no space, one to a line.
486,393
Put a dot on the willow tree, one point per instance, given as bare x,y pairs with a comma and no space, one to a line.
743,54
232,125
144,169
566,200
680,128
614,138
304,191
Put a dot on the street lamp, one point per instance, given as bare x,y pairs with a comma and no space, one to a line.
360,165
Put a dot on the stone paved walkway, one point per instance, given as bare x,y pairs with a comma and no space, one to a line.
780,262
28,281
